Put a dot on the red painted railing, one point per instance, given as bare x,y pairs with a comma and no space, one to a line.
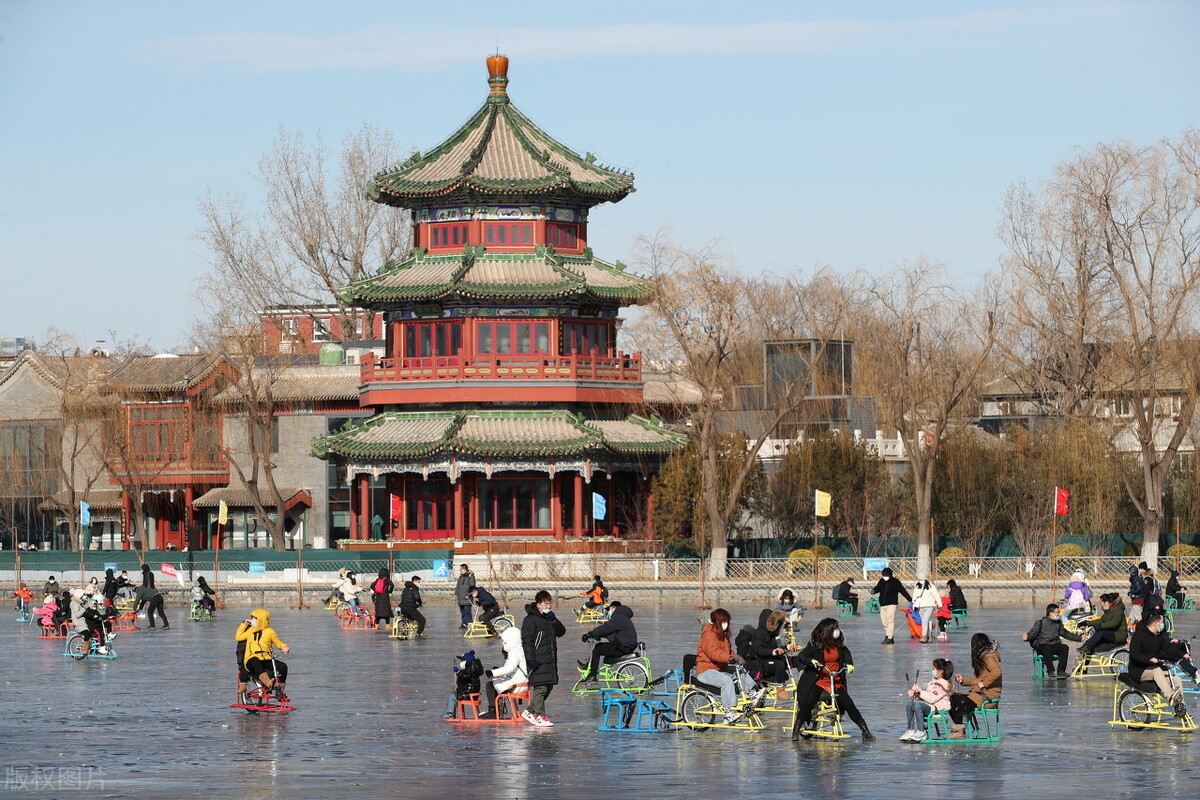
619,369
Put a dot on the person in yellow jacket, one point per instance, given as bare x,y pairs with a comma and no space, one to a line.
259,640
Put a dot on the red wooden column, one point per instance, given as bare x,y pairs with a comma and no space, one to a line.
354,509
556,507
460,525
577,522
364,506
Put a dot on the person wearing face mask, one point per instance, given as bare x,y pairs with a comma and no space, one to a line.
540,631
985,685
1109,625
1046,636
714,654
1148,657
825,652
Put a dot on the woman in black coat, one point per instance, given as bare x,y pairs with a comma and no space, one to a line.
765,654
147,576
110,588
381,593
540,631
958,600
825,648
1174,589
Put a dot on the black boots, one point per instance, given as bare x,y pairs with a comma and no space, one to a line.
866,733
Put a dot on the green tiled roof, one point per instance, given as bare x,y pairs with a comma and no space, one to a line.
401,436
478,275
499,154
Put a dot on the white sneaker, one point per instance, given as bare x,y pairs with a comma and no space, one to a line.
732,717
918,736
102,651
530,717
544,722
907,736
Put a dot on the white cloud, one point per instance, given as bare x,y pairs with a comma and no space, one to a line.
417,50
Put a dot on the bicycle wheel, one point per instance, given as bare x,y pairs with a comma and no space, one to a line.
342,609
696,709
78,647
502,623
1127,703
631,676
1121,658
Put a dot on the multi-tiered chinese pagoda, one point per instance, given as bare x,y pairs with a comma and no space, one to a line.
503,404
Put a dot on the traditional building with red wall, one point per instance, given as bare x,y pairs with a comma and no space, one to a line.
503,407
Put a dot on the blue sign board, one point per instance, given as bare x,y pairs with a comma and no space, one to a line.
257,566
441,569
874,564
113,567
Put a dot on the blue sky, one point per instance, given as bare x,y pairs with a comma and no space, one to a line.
800,134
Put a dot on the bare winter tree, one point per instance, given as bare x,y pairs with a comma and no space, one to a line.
922,353
75,378
315,234
251,408
709,322
1104,269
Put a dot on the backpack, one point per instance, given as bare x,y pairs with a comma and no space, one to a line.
603,594
1033,639
834,593
1137,585
379,586
742,642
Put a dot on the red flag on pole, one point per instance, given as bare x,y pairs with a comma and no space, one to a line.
397,509
1061,496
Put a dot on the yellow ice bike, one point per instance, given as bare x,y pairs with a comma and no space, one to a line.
1139,705
698,704
1106,663
826,720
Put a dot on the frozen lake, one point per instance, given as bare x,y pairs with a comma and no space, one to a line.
156,723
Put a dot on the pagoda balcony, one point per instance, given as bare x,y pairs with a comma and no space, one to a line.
508,377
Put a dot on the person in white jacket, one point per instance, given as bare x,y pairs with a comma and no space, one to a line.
509,675
350,591
934,697
335,589
926,600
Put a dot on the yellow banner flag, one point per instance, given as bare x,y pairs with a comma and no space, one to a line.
223,514
823,501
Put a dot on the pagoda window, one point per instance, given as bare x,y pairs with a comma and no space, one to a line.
444,235
158,432
585,339
508,234
563,236
206,447
429,505
503,338
514,504
428,339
